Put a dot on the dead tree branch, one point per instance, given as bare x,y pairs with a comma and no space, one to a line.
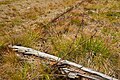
31,51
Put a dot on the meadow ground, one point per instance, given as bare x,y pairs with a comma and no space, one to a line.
88,35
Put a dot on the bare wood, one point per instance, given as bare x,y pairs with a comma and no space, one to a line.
26,50
73,74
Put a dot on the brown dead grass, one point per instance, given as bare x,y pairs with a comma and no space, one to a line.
101,52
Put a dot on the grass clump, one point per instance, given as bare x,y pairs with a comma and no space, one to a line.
6,2
90,52
97,46
16,21
2,24
28,38
32,13
14,68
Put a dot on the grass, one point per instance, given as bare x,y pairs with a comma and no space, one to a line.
27,38
6,2
68,38
17,21
2,24
32,13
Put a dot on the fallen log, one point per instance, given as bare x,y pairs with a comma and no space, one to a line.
31,51
73,74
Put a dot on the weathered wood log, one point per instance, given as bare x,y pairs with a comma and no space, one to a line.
31,51
73,74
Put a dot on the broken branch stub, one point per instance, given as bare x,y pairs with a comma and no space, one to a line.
31,51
